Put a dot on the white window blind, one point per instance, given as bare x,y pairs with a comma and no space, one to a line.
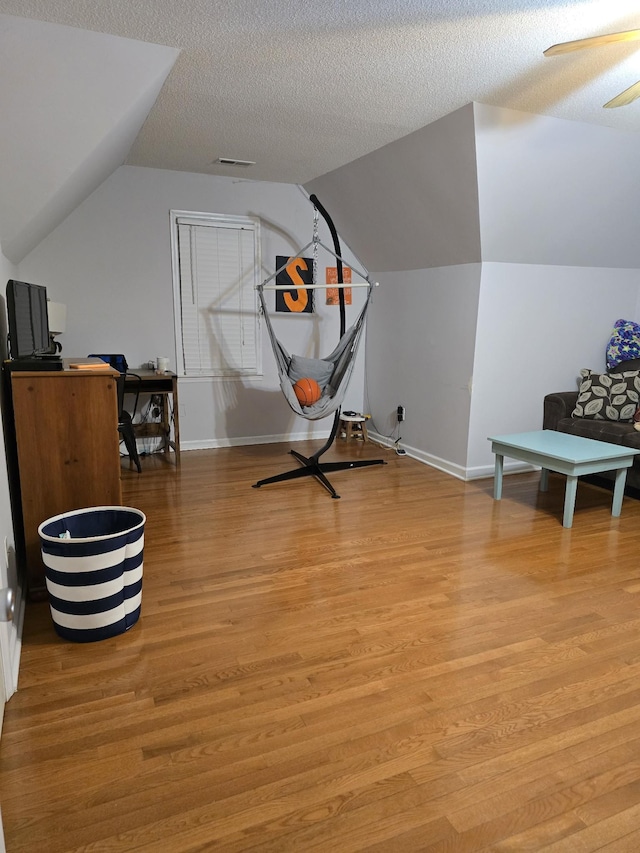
218,263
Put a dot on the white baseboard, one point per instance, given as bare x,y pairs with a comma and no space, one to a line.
514,467
452,468
477,473
214,443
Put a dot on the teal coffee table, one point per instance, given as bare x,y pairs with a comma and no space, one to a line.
566,454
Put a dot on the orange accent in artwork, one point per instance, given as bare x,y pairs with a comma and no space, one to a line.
300,301
332,292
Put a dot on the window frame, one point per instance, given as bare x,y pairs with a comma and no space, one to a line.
217,220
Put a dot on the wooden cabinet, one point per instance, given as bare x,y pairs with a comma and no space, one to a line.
66,452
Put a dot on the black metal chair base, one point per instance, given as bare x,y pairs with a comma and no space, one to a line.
313,468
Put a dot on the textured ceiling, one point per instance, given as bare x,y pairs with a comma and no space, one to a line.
305,86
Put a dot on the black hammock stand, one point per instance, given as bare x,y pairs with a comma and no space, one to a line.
311,466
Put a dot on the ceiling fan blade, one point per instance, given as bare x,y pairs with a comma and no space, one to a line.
625,97
594,41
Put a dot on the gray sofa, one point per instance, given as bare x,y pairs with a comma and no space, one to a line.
557,415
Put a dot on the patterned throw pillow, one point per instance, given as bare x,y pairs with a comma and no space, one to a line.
624,343
608,396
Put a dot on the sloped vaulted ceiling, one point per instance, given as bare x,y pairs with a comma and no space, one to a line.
72,103
302,88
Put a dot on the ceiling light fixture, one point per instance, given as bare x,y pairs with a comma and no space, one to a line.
233,161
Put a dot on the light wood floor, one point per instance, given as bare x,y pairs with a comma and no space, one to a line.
412,667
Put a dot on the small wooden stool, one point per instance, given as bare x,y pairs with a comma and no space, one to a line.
353,426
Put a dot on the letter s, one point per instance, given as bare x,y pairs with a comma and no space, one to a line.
300,301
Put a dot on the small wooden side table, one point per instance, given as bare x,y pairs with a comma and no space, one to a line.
353,426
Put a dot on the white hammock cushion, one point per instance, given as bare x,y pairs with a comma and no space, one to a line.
310,368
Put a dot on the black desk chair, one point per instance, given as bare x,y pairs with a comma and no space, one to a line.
125,425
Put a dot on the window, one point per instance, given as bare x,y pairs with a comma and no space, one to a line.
216,262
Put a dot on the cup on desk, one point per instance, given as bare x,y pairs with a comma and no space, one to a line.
162,365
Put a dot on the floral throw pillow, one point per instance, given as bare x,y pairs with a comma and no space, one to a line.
624,343
608,396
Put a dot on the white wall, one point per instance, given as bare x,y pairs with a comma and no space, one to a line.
420,349
559,205
556,192
557,209
537,327
110,263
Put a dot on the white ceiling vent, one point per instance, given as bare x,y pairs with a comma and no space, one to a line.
232,161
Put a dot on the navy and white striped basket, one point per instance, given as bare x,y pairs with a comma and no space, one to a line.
94,578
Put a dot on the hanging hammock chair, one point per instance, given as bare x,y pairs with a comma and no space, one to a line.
332,372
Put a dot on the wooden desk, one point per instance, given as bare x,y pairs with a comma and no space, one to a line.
62,452
163,385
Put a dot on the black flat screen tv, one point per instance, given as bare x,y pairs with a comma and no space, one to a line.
28,319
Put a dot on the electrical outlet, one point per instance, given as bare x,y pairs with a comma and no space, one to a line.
401,414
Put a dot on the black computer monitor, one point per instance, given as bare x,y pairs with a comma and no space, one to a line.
28,319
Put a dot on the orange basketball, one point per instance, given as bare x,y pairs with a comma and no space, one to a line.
307,391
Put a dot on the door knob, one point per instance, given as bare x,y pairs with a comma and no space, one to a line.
7,604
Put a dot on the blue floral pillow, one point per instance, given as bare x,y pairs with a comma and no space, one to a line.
624,343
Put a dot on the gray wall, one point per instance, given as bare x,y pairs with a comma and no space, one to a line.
412,204
472,349
420,348
110,263
559,206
